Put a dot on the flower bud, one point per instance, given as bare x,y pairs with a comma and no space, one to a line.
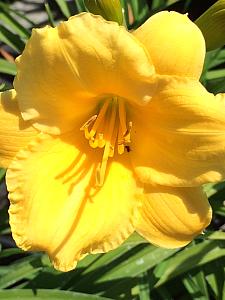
212,25
110,10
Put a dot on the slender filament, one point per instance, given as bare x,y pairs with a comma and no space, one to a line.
108,130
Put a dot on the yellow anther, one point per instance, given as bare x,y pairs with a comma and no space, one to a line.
122,116
86,125
100,117
127,134
93,143
109,131
101,141
121,149
89,122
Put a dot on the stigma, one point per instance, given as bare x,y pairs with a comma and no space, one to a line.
110,130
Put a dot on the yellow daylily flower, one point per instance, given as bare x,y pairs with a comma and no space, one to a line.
120,136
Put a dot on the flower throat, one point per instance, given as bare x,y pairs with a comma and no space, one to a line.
109,130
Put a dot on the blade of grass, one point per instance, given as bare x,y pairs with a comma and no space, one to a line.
7,67
49,13
216,280
196,286
7,8
62,4
141,261
20,270
140,11
8,20
124,274
46,295
11,39
217,235
156,4
199,255
215,74
125,12
2,171
80,5
144,289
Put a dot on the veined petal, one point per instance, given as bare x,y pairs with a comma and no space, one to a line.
62,70
61,212
175,44
172,217
15,133
179,138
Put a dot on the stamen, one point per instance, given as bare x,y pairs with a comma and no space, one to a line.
120,141
101,141
87,124
93,142
108,144
122,116
100,117
127,134
100,132
109,131
113,140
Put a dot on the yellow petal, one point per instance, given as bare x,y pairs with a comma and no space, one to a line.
14,132
62,70
179,138
175,44
55,207
221,98
172,217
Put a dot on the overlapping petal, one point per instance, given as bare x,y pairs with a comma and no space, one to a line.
15,133
62,70
172,217
55,207
175,44
179,138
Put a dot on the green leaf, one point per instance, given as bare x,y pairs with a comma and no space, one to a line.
216,280
7,67
104,262
9,252
141,261
17,294
11,39
212,25
215,85
124,274
156,4
79,5
50,14
198,255
12,23
125,12
212,188
197,286
217,235
63,7
217,58
215,74
4,86
6,7
144,289
140,10
2,171
20,270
